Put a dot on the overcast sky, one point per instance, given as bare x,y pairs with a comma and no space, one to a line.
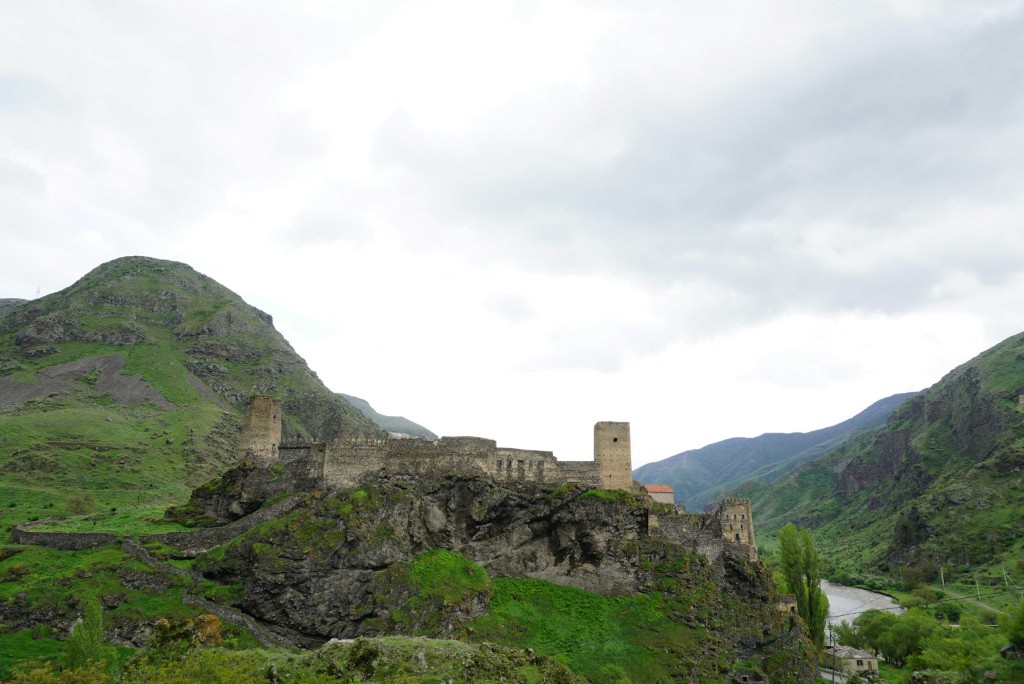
514,219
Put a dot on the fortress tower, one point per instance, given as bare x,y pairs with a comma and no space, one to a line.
738,524
612,454
261,430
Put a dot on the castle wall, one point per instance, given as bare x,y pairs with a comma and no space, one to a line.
584,472
523,465
261,430
700,532
345,462
612,454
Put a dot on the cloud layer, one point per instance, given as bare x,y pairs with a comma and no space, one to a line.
552,205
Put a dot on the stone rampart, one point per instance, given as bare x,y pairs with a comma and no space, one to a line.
62,541
191,544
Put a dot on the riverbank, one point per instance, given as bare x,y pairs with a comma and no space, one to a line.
846,603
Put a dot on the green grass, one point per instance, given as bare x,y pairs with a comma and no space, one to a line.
130,521
447,575
22,646
64,579
598,637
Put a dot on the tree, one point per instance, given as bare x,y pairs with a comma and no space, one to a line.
871,625
86,637
906,636
80,502
802,571
1014,627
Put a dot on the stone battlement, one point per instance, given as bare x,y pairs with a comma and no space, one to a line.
347,460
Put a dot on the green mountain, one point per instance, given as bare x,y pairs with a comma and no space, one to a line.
396,425
128,386
940,484
699,476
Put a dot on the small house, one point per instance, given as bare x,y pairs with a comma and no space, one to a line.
661,493
849,659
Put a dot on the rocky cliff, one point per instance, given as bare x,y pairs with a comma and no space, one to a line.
407,556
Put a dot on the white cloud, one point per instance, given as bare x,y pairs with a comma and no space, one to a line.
514,219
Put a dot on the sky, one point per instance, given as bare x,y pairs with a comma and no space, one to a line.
515,219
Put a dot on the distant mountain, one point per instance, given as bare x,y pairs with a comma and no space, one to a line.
396,425
942,482
700,475
130,383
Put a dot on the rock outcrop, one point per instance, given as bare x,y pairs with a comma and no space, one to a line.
352,564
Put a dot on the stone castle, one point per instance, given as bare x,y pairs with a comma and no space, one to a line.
345,463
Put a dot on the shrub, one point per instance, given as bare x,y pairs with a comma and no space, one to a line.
80,503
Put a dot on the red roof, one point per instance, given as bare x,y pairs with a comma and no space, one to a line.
658,489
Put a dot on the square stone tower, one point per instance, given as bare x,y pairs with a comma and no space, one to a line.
612,454
738,524
261,430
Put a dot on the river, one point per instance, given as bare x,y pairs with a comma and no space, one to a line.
844,603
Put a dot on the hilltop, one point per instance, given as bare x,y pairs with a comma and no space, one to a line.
699,476
127,388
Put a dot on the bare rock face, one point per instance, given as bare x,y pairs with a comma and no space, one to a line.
328,568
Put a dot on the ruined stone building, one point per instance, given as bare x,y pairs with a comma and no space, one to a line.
345,463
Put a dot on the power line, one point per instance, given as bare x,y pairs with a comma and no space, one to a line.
932,603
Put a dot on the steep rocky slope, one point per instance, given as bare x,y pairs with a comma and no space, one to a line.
941,483
700,475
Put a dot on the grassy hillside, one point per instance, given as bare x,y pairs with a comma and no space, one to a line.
700,475
940,485
9,305
125,390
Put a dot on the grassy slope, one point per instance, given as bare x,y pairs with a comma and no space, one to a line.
396,424
940,484
700,475
171,325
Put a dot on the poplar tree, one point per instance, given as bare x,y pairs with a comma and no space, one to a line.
802,571
86,637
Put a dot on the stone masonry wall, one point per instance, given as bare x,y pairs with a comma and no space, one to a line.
345,462
700,532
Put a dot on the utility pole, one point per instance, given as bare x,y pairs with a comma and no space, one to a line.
942,576
977,587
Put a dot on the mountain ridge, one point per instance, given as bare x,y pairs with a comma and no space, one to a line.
396,425
941,483
698,476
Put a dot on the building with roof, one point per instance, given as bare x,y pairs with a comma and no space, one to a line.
661,493
848,659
